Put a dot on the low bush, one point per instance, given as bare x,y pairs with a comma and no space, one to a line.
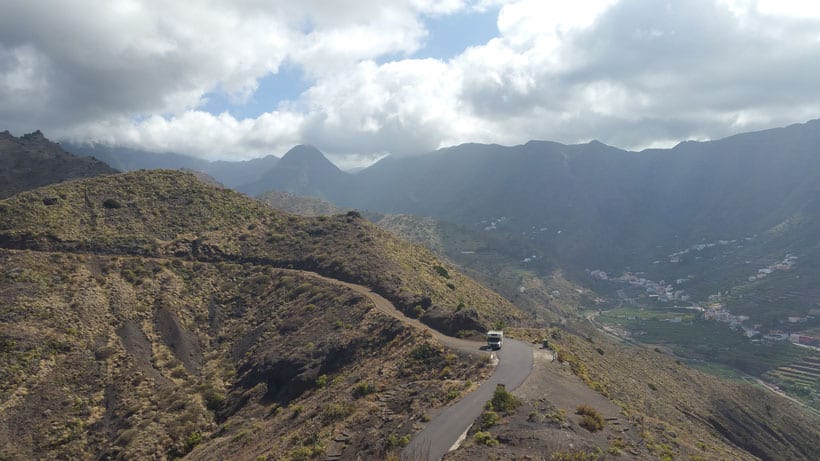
489,419
503,400
591,420
393,441
485,438
362,389
111,203
335,412
442,271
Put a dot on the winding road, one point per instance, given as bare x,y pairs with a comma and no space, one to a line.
445,431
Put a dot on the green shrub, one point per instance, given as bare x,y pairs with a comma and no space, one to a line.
442,271
503,400
485,438
423,352
321,381
111,204
362,389
394,441
452,394
488,419
559,416
214,399
335,412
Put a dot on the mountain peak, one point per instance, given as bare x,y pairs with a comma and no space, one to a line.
34,136
303,151
306,156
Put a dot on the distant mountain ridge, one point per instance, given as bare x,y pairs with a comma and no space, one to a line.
231,174
592,206
31,161
593,203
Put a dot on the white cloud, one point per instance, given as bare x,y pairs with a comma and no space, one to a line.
631,73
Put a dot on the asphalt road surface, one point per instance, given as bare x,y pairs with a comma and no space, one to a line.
442,432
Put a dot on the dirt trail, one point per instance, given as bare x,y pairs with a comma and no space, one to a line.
385,306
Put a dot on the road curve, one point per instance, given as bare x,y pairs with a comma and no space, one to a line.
441,433
444,431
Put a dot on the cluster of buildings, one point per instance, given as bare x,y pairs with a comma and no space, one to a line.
735,321
492,223
661,290
677,256
783,265
796,338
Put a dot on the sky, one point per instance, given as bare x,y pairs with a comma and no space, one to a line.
360,79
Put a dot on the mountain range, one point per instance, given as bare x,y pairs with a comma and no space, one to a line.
152,314
596,207
590,206
230,174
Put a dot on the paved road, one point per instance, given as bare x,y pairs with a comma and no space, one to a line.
441,433
444,431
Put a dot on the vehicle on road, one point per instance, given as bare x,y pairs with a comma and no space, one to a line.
495,339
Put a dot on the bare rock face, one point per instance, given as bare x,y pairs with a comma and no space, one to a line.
32,161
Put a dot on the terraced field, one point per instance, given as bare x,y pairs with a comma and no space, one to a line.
801,377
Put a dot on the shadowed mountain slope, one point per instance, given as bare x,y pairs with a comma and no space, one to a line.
231,174
32,161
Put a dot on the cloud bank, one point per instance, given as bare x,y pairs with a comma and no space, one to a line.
631,73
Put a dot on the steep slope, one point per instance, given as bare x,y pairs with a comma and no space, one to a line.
161,213
150,315
599,206
123,357
303,170
645,405
32,161
231,174
496,261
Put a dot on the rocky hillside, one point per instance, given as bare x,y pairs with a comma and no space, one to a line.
32,161
677,407
169,213
127,357
150,315
603,401
301,205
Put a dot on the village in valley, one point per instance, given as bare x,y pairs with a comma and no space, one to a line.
662,292
663,313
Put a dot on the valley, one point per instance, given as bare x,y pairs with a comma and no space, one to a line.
184,319
470,230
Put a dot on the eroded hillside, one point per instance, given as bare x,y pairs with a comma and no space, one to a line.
135,358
